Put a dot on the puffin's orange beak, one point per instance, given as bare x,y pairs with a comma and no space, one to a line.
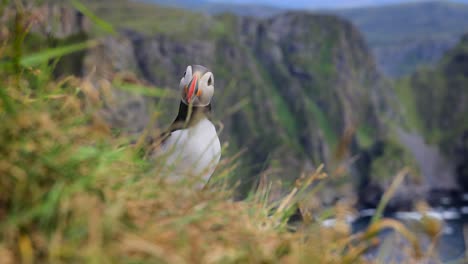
192,87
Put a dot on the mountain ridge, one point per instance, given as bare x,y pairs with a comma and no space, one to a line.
305,5
403,36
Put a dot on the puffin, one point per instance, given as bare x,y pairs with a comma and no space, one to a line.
191,147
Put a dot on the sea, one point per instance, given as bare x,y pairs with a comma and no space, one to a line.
451,246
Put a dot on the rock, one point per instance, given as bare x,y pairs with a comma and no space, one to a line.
58,21
461,154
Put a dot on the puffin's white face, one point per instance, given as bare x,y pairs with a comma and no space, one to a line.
197,86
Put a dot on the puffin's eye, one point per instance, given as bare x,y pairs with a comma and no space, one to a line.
210,81
187,74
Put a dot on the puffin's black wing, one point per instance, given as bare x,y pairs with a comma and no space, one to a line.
152,144
182,121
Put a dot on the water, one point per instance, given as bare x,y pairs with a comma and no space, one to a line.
451,247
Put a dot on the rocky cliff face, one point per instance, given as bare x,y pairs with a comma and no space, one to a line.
429,133
300,83
294,91
440,110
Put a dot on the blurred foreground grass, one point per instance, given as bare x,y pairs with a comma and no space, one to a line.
69,194
72,192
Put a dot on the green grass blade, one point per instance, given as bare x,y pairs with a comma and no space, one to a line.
95,19
145,91
44,56
7,104
389,194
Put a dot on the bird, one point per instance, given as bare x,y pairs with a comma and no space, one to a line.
191,146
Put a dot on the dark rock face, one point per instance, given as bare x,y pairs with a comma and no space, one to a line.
51,25
461,153
128,112
59,21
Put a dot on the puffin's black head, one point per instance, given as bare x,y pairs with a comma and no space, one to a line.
197,86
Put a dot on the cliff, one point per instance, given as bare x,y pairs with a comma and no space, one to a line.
292,91
436,105
299,81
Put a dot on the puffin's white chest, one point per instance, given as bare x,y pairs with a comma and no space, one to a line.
194,151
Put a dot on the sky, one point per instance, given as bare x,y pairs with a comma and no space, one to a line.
324,3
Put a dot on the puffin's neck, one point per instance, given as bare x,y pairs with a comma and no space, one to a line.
184,120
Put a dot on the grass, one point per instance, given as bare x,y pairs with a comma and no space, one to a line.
71,191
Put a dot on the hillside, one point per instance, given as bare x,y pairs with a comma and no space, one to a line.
404,37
